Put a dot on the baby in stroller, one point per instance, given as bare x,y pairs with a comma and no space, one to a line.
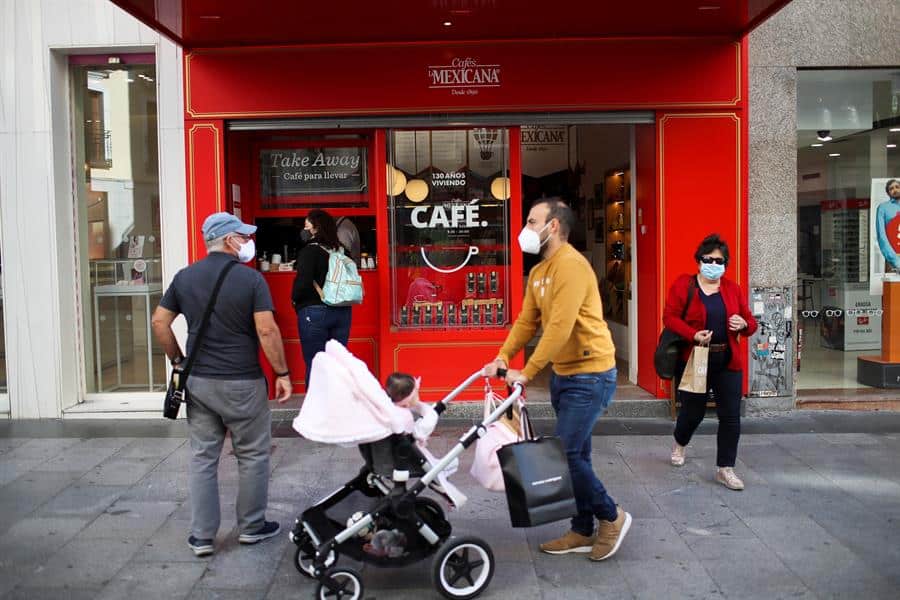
381,516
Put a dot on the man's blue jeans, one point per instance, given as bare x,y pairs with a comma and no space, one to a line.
579,400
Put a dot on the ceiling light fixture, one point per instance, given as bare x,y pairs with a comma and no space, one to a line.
834,155
895,129
890,145
817,145
448,23
211,17
710,7
823,135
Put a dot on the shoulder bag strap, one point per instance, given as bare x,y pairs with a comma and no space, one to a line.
690,297
204,323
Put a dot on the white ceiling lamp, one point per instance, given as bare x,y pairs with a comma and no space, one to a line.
816,145
823,135
890,145
500,188
396,181
416,190
834,154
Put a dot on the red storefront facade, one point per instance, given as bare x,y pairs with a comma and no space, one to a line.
690,161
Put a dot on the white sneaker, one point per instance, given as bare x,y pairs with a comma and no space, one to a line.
678,452
726,476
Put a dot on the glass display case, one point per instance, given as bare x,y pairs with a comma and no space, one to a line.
449,233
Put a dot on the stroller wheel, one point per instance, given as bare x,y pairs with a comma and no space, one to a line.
463,567
304,557
340,584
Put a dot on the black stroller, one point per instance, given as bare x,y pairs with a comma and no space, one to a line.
382,498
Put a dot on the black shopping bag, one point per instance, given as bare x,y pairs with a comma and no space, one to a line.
538,482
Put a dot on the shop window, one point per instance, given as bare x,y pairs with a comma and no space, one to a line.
118,224
848,131
449,228
3,388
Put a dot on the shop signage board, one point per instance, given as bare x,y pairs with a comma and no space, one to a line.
311,171
884,235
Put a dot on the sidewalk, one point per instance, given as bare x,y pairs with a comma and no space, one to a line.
84,515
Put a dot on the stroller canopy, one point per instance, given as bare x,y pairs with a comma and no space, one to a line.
345,404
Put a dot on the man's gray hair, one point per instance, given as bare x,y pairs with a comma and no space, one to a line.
216,244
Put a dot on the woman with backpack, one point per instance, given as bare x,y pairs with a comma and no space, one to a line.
317,321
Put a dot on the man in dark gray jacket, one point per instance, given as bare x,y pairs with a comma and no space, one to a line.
227,390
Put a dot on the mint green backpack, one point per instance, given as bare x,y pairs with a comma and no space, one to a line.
343,283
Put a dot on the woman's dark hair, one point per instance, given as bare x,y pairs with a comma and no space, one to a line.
709,244
326,228
399,385
887,186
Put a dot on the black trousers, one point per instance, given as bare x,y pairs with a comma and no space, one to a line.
726,387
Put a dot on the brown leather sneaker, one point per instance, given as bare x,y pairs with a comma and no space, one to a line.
570,542
610,535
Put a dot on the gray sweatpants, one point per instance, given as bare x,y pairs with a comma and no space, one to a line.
241,407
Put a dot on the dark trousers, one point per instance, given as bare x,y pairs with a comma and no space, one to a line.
579,400
318,324
726,387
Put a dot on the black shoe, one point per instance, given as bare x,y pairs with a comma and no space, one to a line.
201,547
269,529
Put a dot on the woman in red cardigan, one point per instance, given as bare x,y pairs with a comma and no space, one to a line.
717,316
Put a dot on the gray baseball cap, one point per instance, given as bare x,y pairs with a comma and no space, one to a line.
219,224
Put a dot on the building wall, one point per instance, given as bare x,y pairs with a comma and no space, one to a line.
40,284
806,33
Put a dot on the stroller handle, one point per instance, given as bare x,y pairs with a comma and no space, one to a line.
441,406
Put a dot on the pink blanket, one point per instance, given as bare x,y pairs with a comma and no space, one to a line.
345,404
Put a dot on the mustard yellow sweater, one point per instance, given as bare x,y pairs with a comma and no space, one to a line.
562,297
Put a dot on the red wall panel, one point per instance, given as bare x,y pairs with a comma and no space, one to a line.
205,148
648,321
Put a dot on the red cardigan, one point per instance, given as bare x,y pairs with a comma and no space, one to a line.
695,318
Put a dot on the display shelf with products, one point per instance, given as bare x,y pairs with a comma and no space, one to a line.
616,284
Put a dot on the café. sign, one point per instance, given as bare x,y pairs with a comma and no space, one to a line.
304,171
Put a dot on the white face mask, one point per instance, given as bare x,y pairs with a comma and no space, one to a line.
246,251
530,240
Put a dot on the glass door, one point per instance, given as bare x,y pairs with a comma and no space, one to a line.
118,223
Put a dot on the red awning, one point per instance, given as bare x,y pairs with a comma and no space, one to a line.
215,23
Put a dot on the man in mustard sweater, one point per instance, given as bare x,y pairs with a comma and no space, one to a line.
562,297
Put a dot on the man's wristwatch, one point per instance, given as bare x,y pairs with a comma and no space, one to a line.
285,374
177,361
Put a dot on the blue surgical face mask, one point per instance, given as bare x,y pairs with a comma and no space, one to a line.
712,271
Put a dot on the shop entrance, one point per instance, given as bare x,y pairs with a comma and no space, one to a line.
590,167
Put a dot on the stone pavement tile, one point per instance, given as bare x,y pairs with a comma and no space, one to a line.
635,499
236,566
32,540
42,593
151,448
116,443
287,581
574,576
43,448
684,578
82,500
120,471
153,580
82,458
160,484
169,543
653,539
82,563
700,512
825,565
11,468
26,494
507,544
7,445
129,520
200,593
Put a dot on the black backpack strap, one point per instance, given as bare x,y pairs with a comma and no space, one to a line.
204,322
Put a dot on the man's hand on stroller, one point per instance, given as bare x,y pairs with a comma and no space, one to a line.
514,376
490,369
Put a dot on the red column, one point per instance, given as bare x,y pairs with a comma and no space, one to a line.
206,194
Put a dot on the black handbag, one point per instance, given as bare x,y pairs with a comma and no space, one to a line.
177,393
537,479
665,359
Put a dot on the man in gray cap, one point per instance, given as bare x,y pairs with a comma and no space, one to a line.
226,386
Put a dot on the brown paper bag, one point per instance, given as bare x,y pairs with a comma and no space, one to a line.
694,378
